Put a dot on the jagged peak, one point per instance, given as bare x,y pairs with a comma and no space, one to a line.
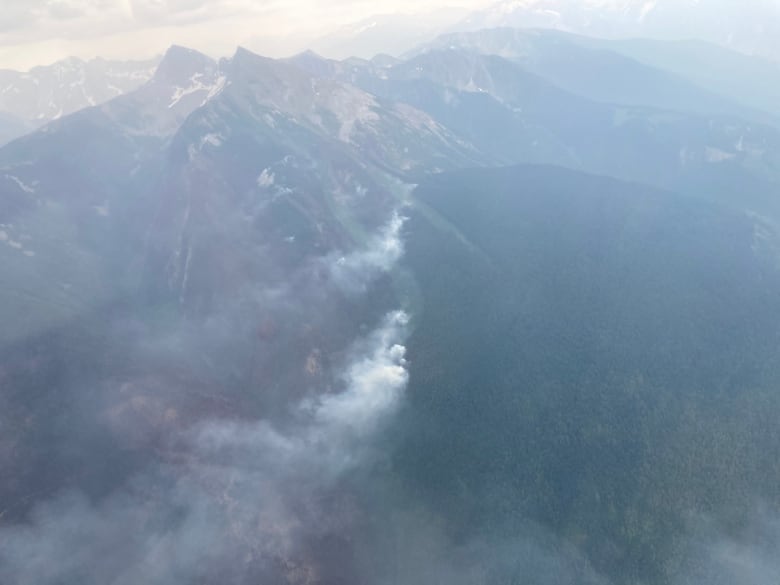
315,64
244,54
180,63
250,66
384,60
310,54
68,63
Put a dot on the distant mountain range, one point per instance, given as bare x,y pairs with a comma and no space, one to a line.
751,27
541,96
30,99
636,71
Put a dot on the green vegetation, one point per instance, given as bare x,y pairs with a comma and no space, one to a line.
601,358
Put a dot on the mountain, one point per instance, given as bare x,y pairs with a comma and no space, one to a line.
251,159
12,127
47,93
749,80
268,139
514,116
600,71
220,245
689,71
439,318
595,356
749,27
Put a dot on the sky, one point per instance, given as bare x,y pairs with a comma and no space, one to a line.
35,32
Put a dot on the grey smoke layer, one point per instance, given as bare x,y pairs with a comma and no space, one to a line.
231,498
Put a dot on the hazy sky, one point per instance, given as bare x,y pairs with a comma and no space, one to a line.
34,32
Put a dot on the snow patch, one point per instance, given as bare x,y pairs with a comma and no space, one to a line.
197,85
716,155
23,186
269,119
266,178
186,279
212,139
216,89
472,87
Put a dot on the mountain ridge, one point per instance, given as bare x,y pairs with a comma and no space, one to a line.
45,93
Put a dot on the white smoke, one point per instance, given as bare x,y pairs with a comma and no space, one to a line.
331,431
231,499
353,272
374,384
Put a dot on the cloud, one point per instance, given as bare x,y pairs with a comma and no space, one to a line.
26,20
64,10
19,14
158,12
37,32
